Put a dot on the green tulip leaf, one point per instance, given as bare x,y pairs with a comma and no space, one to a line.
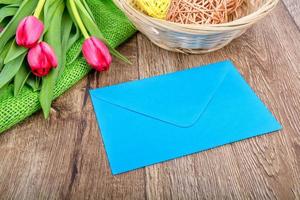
49,10
7,11
10,1
20,79
1,63
10,69
4,22
33,82
53,38
66,32
73,38
86,6
74,35
3,54
14,51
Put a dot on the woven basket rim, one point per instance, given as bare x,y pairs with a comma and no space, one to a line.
242,22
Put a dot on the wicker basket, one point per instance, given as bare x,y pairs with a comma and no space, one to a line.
195,39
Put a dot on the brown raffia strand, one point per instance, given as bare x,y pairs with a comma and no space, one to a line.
204,11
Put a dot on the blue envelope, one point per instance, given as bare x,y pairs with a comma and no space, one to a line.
164,117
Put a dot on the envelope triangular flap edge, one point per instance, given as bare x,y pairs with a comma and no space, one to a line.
177,98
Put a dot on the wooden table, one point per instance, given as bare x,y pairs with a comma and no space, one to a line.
64,158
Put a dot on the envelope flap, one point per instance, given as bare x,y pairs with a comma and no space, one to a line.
178,98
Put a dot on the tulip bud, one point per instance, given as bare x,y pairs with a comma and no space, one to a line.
41,59
96,54
29,31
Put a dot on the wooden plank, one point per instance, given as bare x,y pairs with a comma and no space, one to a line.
265,167
293,7
61,158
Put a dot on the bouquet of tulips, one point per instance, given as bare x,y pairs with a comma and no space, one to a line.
34,40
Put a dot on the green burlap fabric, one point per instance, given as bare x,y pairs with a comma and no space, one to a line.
116,29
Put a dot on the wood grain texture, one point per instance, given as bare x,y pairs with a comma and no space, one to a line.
294,8
64,158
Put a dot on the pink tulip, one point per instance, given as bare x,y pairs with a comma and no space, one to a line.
96,54
29,31
41,59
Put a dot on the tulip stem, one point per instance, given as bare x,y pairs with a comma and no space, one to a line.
39,8
78,19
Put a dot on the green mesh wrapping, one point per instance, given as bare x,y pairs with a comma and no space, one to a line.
115,27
